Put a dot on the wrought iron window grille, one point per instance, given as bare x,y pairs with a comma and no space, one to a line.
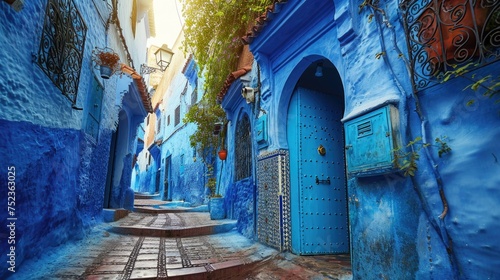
243,149
62,46
443,35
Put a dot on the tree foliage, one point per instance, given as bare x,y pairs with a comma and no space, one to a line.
212,31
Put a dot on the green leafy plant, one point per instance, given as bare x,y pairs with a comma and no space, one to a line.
212,34
211,181
489,84
407,162
205,114
443,146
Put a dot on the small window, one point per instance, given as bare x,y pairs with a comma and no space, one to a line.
168,120
243,152
177,118
194,96
94,109
158,128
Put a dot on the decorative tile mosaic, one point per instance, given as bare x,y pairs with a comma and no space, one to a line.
273,199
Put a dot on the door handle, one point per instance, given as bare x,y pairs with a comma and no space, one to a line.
327,181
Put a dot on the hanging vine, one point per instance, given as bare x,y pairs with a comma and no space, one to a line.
212,34
409,163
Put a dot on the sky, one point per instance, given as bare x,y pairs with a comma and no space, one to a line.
168,24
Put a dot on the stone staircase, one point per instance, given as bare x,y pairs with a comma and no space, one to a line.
190,244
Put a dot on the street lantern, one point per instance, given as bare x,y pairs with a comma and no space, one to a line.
163,58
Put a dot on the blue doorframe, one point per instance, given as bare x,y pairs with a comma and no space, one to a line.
319,221
167,193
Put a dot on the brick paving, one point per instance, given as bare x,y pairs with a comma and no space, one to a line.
221,254
138,257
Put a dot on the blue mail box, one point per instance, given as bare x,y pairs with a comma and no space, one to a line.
370,142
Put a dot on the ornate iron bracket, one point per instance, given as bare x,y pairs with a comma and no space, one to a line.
148,70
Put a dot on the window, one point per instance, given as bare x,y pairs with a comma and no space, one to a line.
94,109
443,35
177,118
194,96
158,128
61,46
168,120
243,149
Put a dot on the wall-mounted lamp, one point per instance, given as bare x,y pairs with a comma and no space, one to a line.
163,58
249,94
217,127
319,70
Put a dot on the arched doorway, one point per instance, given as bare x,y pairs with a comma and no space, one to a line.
318,192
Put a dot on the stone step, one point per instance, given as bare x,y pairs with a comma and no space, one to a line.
138,195
175,232
159,209
113,215
171,225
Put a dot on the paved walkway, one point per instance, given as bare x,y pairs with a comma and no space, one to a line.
142,253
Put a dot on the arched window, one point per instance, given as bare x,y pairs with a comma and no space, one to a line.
243,149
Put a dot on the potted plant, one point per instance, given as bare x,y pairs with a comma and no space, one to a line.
216,202
107,60
222,152
205,114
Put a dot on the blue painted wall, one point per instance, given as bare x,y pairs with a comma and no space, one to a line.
187,171
60,170
240,196
394,226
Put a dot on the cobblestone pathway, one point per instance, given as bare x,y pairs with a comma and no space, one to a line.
114,256
105,255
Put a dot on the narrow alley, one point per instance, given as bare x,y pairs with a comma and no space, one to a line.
255,139
168,241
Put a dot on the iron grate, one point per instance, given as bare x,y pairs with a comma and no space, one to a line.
62,45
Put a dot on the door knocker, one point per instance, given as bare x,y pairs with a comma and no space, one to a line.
321,150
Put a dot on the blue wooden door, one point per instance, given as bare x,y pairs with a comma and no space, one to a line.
317,174
167,193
